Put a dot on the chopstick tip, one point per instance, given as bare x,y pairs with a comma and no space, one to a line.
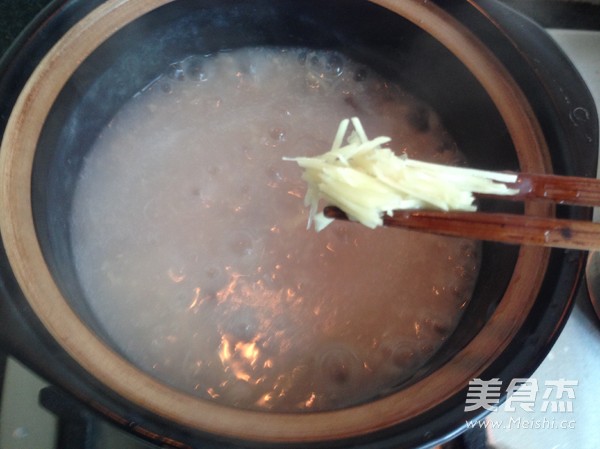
334,212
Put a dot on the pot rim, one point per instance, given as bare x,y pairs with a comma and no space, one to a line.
26,259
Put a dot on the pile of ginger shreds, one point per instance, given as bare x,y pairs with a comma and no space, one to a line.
367,180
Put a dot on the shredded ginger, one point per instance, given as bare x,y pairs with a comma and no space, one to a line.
367,181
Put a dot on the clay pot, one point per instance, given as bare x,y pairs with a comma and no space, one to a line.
473,63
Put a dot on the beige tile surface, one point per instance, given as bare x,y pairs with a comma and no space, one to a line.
23,423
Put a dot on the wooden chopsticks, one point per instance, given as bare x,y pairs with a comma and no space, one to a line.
512,228
558,189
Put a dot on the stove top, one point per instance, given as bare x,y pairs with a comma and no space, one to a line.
556,408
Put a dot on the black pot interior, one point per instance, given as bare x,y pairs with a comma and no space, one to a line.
139,53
